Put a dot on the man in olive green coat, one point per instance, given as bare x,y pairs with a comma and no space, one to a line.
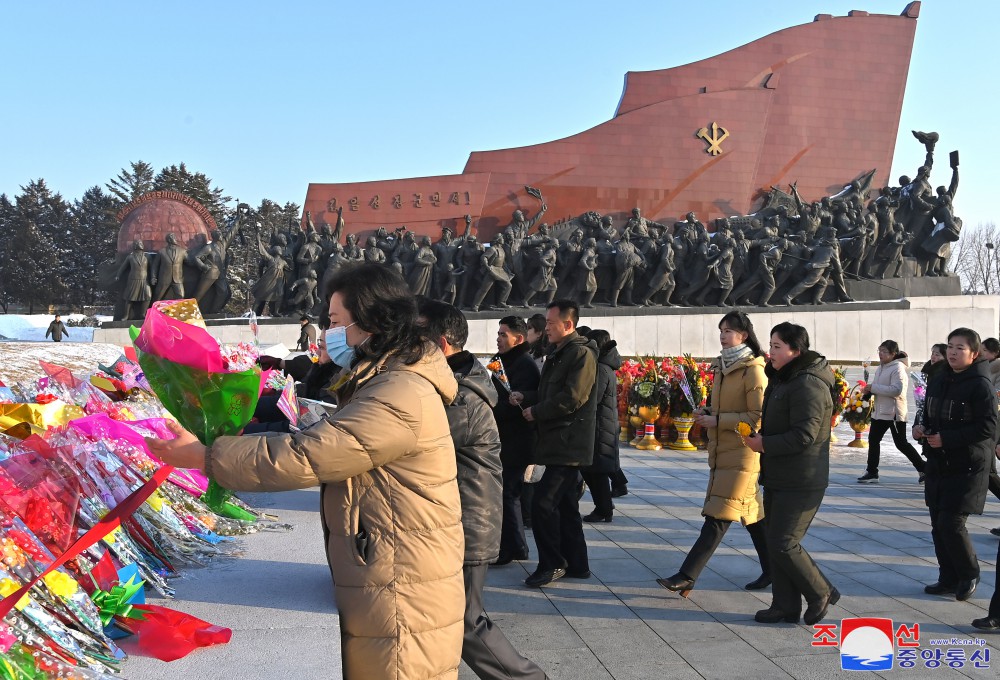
565,413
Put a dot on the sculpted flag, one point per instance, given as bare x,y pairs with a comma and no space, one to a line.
186,368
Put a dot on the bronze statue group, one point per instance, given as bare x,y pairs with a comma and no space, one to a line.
789,252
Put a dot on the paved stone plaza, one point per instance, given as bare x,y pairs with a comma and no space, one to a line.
873,542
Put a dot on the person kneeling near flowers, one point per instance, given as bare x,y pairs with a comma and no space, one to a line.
385,463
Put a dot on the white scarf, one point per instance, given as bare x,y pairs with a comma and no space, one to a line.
733,355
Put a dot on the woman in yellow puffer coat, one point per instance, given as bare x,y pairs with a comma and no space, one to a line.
385,462
733,492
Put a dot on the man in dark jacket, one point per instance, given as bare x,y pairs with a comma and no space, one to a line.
564,412
517,436
57,329
307,335
959,429
477,448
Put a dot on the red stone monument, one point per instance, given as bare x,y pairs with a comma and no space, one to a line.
817,103
153,215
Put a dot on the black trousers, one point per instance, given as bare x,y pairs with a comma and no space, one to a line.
618,478
708,541
794,574
484,646
556,521
512,540
957,560
994,478
898,430
599,484
994,610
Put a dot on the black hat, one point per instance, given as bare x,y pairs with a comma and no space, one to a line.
305,317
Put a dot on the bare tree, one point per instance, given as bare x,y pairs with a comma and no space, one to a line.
975,258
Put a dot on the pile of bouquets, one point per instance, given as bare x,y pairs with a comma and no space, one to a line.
89,518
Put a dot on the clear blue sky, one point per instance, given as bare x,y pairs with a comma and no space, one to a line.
266,97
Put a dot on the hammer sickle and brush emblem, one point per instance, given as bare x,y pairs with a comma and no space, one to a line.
713,137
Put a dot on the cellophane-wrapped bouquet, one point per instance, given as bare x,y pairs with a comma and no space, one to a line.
211,391
919,390
688,385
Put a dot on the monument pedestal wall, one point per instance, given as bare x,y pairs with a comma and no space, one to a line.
841,332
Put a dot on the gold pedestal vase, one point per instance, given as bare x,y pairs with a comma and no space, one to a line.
648,415
683,443
834,422
858,442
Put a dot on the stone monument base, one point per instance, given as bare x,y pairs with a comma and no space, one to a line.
911,286
849,331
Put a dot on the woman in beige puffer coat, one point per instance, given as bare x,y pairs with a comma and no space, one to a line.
386,465
890,386
733,492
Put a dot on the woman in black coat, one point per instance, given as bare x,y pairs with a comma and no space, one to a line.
959,429
598,474
794,443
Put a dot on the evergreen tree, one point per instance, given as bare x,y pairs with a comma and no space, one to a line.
197,185
7,273
129,185
44,226
29,269
95,242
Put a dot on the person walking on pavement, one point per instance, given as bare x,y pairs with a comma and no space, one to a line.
959,429
564,413
991,350
991,622
733,492
606,458
385,463
794,443
540,348
517,436
889,386
307,334
485,649
57,329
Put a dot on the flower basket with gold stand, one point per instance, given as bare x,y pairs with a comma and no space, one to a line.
649,415
637,425
624,384
858,414
665,424
841,398
644,409
683,424
623,423
623,432
688,389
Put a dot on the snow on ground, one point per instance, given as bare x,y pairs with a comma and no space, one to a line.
19,360
32,327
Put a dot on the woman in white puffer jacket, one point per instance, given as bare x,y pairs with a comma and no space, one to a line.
889,388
